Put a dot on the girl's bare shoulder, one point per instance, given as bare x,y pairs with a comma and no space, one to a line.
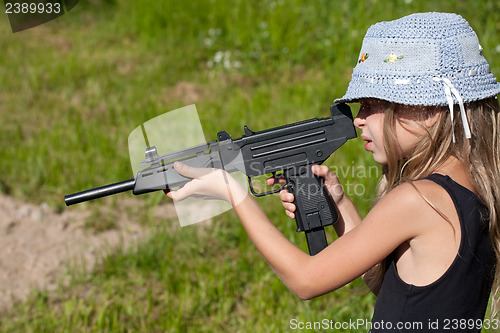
413,206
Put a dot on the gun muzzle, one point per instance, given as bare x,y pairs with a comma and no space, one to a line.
99,192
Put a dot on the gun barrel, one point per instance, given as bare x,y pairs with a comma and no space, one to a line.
99,192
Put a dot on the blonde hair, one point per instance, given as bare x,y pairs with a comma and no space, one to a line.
480,155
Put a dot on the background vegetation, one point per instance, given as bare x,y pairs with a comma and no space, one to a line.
73,89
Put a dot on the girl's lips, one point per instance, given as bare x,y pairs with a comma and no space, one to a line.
368,143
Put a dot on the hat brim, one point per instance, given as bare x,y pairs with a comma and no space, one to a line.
408,92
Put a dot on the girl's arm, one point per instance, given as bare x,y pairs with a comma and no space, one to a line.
341,262
349,216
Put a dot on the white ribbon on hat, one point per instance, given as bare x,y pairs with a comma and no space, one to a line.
449,88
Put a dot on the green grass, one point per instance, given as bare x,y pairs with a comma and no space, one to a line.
73,89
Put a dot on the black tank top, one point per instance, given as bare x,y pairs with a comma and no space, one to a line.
457,301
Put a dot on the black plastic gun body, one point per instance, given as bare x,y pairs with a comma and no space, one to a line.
288,150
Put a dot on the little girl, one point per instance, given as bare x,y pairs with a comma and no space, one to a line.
429,247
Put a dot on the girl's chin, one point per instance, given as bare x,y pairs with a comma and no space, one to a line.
382,160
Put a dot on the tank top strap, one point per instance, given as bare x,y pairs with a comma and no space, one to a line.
451,186
444,181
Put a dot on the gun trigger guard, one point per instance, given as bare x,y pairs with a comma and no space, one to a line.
265,193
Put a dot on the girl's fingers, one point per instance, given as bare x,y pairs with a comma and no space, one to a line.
331,181
324,172
289,207
286,196
189,171
270,180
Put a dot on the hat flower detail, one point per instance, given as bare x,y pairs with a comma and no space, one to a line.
364,56
393,58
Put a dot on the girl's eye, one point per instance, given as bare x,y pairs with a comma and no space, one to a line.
373,106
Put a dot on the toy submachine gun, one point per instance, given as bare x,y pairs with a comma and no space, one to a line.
290,150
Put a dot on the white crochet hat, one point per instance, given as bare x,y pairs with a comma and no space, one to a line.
422,59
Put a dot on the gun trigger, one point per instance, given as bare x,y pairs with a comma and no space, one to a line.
276,180
248,131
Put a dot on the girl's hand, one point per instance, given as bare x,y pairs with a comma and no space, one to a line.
331,182
207,183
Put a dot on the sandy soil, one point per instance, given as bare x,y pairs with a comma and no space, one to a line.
38,245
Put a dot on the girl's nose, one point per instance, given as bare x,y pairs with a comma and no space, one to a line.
360,119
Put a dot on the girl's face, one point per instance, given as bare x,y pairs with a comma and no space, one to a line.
370,120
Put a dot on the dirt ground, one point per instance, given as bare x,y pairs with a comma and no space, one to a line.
38,245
